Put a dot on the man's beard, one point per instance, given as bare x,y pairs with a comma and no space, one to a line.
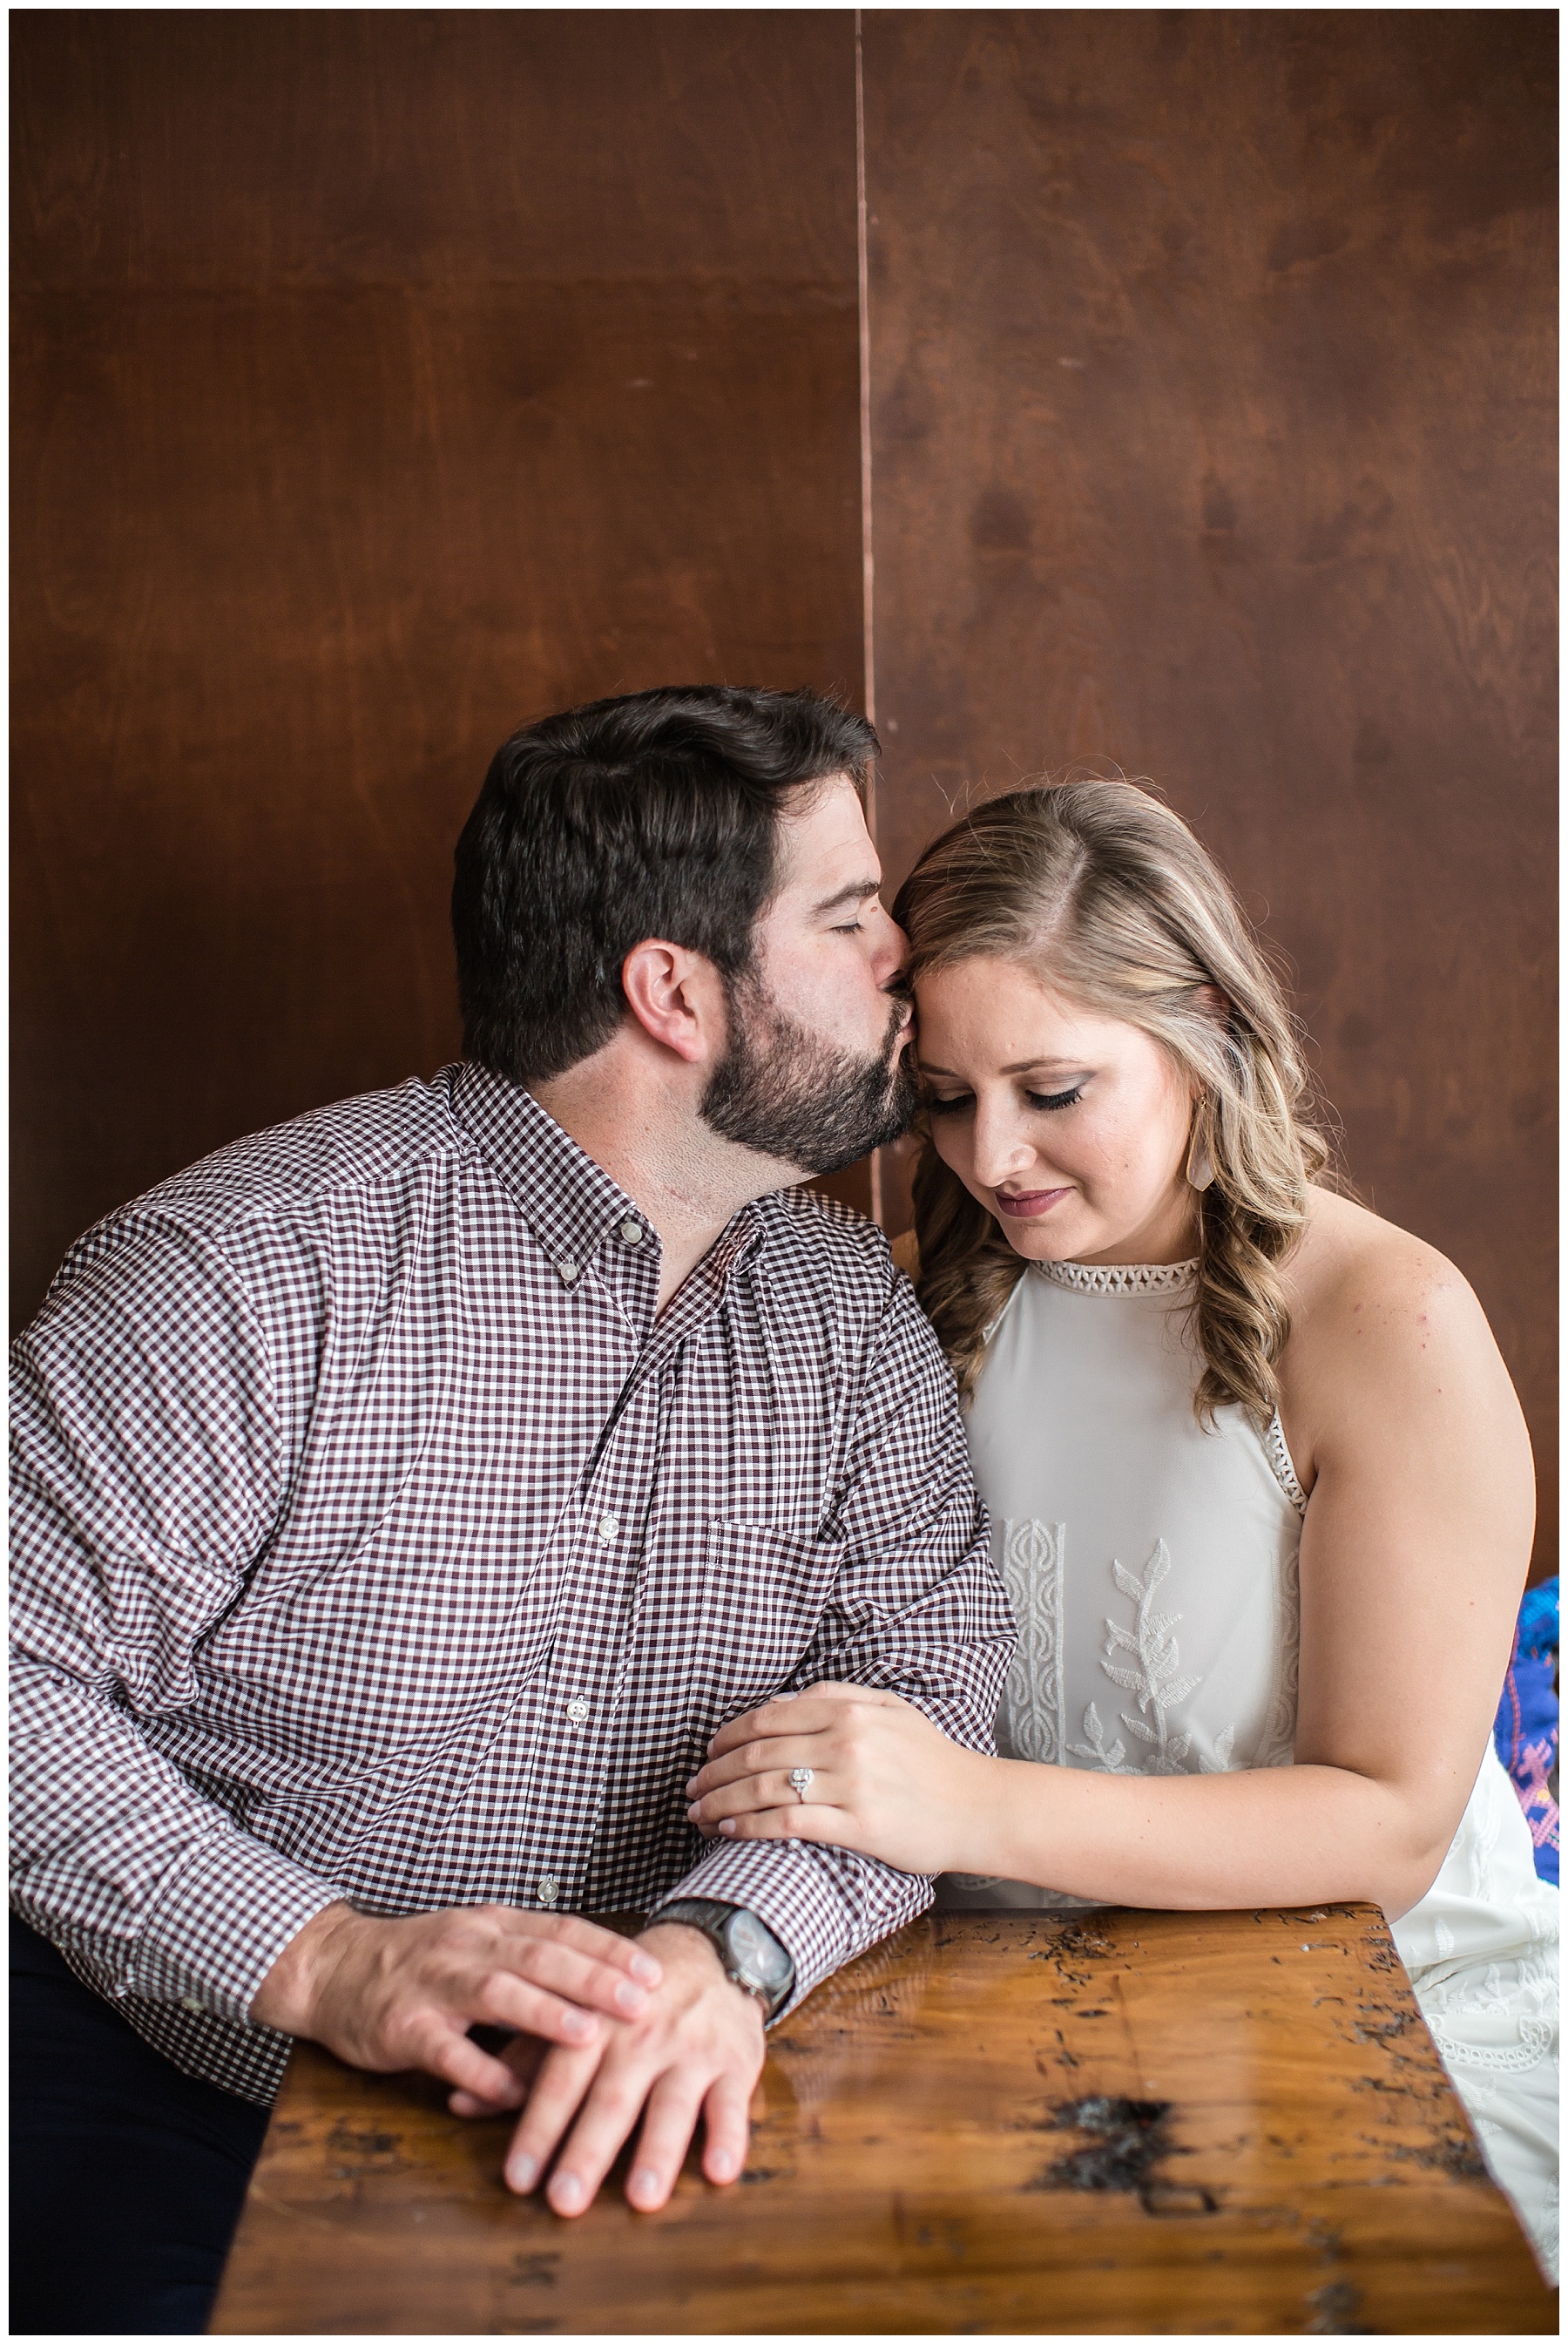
789,1095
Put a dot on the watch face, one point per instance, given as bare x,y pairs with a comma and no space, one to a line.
757,1950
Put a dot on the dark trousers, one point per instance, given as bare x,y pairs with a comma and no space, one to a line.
126,2176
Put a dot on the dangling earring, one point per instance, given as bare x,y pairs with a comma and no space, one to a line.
1199,1164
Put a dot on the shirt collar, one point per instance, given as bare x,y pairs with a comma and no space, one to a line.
570,1201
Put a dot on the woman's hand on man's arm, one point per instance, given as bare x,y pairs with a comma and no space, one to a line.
886,1782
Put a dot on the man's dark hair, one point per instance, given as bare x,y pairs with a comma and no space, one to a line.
652,815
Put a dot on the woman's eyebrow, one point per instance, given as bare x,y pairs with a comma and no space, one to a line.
1024,1067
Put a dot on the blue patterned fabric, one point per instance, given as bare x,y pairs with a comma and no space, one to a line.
1526,1728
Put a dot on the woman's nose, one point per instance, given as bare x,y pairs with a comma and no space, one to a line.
1001,1149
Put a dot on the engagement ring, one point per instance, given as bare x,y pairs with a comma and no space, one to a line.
800,1781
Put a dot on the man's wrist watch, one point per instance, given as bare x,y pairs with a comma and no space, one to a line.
753,1958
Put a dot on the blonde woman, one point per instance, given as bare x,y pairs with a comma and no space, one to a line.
1260,1487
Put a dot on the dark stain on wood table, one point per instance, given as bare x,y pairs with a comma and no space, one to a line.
996,2122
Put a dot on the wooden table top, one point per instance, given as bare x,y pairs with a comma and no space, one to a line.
1122,2122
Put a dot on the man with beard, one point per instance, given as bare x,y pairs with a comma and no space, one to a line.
407,1495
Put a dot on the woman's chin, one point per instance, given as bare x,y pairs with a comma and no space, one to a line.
1051,1237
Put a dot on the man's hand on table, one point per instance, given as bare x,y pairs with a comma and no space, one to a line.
390,1995
696,2050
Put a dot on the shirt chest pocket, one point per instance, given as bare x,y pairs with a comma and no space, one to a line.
755,1607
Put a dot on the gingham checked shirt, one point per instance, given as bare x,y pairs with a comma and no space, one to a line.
373,1539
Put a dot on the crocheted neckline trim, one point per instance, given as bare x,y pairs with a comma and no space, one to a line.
1121,1277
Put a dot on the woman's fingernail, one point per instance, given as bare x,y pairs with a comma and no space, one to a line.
786,1696
577,2026
728,1825
522,2171
645,2182
631,1998
722,2165
567,2192
645,1967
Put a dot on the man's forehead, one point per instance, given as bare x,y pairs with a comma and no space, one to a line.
823,840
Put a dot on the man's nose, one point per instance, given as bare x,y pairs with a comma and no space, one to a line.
892,953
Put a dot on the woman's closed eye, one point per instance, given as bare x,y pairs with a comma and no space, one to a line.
1050,1102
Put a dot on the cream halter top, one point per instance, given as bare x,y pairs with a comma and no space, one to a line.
1153,1568
1151,1563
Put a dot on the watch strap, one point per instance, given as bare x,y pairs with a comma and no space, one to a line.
712,1917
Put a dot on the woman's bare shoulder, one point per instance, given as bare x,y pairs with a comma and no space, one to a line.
1393,1385
1366,1295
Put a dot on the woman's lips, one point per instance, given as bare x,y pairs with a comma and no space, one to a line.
1032,1202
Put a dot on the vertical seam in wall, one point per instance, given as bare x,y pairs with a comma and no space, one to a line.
867,564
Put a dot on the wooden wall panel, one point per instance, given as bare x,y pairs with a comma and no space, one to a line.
1213,378
379,380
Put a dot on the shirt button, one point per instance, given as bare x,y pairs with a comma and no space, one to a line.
576,1710
631,1232
549,1890
609,1527
566,1271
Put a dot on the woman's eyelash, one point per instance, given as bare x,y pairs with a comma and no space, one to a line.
1051,1101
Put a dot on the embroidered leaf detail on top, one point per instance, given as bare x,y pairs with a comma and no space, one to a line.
1112,1760
1157,1680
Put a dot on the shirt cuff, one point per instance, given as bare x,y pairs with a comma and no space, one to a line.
812,1898
219,1921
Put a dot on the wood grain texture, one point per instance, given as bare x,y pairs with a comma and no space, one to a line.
1213,410
933,2153
378,380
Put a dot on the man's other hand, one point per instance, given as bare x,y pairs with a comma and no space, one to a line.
389,1994
696,2050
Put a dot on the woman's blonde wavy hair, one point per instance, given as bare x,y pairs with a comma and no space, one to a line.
1099,891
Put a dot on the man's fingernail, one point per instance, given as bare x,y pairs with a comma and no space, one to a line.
786,1696
722,2165
577,2026
694,1811
566,2191
645,1967
522,2171
728,1824
645,2182
631,1998
691,1788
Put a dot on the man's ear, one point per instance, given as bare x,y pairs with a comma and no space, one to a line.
677,997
